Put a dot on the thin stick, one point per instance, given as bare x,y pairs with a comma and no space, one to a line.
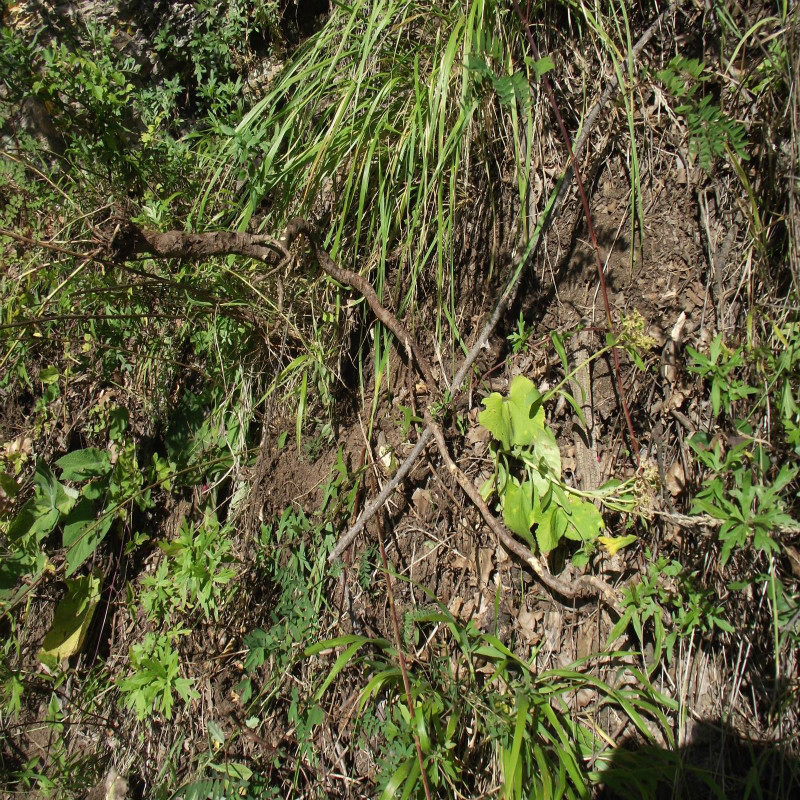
400,654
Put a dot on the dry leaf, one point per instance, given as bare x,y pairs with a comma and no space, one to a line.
675,479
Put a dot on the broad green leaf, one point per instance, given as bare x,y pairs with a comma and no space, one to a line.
12,569
33,520
546,448
234,770
8,485
82,464
518,511
585,521
49,375
397,779
550,527
72,618
215,732
54,495
83,531
514,420
339,665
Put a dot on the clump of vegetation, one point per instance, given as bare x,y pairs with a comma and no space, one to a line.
188,436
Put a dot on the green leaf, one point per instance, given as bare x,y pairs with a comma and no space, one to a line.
49,375
516,419
585,521
72,618
540,66
83,532
546,448
215,732
32,520
12,569
613,544
518,513
476,64
53,495
82,464
8,485
550,527
234,770
397,779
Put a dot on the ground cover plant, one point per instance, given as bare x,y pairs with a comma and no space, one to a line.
400,399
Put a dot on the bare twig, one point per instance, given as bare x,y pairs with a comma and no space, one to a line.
299,226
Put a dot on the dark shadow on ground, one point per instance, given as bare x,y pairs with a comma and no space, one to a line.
716,763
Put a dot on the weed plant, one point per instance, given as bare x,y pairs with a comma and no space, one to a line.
141,399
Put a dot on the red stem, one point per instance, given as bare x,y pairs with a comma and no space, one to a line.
548,88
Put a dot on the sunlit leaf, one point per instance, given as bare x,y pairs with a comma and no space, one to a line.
72,618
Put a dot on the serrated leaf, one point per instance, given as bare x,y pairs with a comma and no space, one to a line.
505,90
72,618
476,64
82,464
83,532
540,66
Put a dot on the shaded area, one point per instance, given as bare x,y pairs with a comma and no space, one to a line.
717,762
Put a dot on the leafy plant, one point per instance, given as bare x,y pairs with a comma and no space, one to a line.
517,711
527,475
195,572
669,599
720,368
749,513
156,676
711,131
519,339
